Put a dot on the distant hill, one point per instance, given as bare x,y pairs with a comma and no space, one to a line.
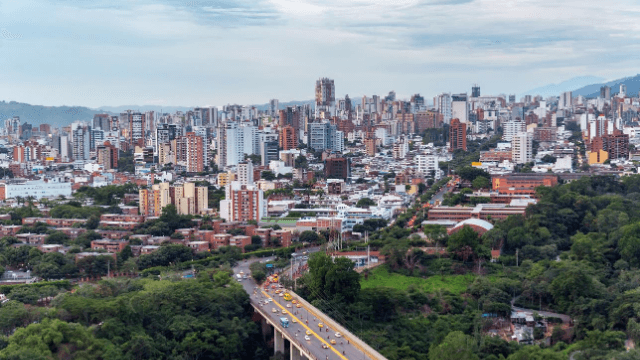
283,105
142,108
593,90
53,115
569,85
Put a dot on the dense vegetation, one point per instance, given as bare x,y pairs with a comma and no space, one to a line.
577,254
203,318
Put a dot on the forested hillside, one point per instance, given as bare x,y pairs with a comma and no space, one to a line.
578,254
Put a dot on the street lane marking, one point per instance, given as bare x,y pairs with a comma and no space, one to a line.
308,328
344,337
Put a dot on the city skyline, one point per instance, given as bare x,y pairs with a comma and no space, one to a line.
184,53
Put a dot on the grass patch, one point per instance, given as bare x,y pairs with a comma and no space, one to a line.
381,277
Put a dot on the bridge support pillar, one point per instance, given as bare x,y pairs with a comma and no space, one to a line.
278,341
296,354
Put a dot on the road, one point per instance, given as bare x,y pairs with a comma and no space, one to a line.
305,321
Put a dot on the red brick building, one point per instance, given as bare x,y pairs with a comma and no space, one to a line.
288,138
457,135
523,184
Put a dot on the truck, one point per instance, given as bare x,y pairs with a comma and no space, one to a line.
239,276
284,322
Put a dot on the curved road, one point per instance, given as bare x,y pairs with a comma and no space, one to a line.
305,321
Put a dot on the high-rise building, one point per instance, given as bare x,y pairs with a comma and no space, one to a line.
616,145
428,166
325,98
565,100
269,151
512,99
187,198
522,148
460,107
45,129
221,145
475,91
457,135
443,105
274,106
81,142
511,128
605,92
370,146
288,138
243,203
417,101
623,92
107,156
102,122
189,152
245,173
136,124
323,136
336,167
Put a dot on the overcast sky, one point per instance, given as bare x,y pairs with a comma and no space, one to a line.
214,52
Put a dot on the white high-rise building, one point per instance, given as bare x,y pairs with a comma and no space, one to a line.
245,173
442,103
428,166
234,141
565,100
522,148
511,128
460,108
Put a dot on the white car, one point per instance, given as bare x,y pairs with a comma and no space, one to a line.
306,337
338,335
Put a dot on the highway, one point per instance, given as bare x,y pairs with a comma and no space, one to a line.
344,349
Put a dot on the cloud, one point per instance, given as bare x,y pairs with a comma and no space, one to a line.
221,51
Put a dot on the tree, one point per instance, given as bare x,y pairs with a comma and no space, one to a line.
365,203
456,346
332,278
268,175
465,243
481,182
309,236
549,159
52,338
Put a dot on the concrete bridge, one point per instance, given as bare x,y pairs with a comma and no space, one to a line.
290,341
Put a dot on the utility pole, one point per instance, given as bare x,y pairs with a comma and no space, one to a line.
517,258
108,268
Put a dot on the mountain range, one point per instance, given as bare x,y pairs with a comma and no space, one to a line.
593,90
568,85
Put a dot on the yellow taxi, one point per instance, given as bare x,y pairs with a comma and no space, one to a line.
320,325
298,306
294,301
333,341
294,320
308,332
278,291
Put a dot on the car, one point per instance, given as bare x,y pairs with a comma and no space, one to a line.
281,294
273,310
308,332
294,301
294,320
284,311
298,306
333,341
306,337
288,305
239,280
338,335
278,291
325,346
320,325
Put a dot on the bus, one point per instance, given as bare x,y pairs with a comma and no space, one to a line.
284,322
287,297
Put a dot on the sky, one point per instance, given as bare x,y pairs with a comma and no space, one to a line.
216,52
